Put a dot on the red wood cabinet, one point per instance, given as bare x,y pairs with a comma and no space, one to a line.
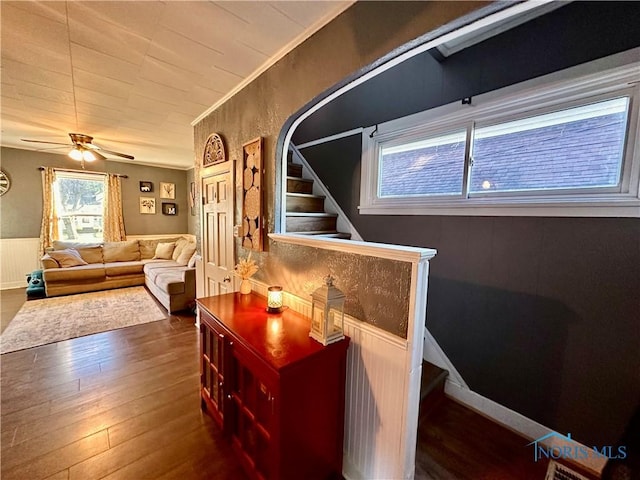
276,393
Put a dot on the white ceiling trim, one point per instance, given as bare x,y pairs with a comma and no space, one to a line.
277,56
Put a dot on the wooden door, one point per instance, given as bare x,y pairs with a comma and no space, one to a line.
217,231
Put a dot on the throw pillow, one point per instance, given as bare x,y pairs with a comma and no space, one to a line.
68,257
148,246
48,262
164,251
192,260
62,244
186,253
180,244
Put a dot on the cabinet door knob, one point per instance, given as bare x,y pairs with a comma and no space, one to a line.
227,279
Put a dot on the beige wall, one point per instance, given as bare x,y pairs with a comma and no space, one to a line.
21,206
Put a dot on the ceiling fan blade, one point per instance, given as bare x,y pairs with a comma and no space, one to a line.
41,141
51,148
118,154
98,155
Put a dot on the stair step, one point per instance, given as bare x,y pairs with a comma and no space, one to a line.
308,222
305,202
294,170
328,233
431,388
299,185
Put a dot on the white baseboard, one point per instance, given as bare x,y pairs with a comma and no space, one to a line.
518,423
16,284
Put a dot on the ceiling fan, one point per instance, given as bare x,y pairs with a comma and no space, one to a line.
82,148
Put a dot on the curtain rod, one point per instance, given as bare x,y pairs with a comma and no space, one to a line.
85,171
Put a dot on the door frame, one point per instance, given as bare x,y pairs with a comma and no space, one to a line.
211,171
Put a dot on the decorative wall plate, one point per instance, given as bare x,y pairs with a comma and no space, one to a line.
5,183
214,151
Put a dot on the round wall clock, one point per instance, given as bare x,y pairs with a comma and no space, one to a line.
5,183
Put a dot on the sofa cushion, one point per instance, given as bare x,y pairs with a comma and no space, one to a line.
170,282
186,254
68,257
148,246
192,260
127,251
164,250
180,244
75,274
153,273
91,254
123,268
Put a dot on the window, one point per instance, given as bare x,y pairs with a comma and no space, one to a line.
433,166
561,149
79,206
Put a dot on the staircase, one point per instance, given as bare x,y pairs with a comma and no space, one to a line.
306,213
431,389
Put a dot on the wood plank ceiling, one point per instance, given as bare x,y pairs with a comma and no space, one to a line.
135,74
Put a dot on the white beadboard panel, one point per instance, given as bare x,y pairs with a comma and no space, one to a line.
380,411
374,410
18,257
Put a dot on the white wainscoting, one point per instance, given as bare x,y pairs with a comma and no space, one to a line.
376,399
18,257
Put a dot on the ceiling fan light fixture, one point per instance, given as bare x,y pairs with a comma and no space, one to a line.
76,153
88,156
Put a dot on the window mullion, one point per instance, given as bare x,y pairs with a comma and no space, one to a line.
468,163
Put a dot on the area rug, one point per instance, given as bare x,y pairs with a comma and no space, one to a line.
60,318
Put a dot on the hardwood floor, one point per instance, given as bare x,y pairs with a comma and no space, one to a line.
455,443
10,302
120,405
125,405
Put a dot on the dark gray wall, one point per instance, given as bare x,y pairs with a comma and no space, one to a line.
574,34
21,207
538,314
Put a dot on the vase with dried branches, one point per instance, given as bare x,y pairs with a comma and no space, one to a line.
245,269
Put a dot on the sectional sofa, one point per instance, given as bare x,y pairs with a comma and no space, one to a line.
166,266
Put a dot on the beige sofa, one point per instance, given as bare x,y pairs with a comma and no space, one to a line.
168,272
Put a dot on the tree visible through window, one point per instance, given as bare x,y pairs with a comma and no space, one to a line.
79,206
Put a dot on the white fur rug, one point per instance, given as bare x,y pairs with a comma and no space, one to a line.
60,318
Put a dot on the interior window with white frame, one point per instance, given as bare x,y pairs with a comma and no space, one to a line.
564,148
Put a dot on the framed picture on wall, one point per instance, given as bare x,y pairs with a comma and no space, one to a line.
169,208
167,190
147,205
146,187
